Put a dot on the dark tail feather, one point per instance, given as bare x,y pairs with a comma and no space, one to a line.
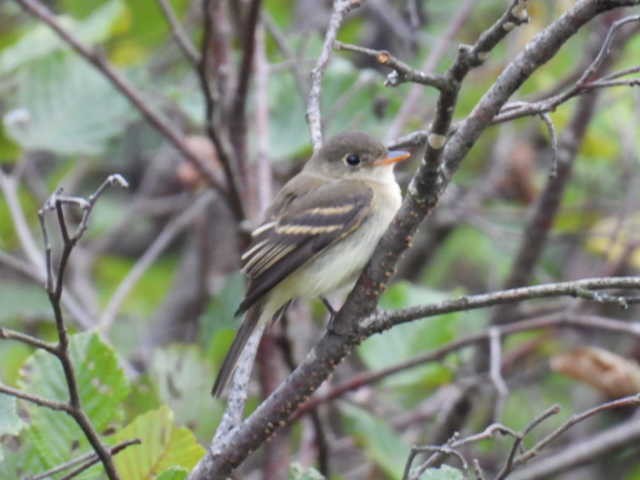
229,363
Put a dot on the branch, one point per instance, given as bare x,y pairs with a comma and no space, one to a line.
551,321
585,288
584,83
596,446
423,194
401,73
35,399
86,461
221,143
181,38
155,119
314,117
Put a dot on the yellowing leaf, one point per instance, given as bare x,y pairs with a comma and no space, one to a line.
164,446
614,239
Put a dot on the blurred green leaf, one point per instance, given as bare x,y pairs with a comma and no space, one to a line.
406,341
298,472
384,446
23,300
445,472
64,106
40,41
173,473
184,378
163,446
10,421
101,386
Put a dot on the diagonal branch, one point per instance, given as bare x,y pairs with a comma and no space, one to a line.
424,193
155,119
314,117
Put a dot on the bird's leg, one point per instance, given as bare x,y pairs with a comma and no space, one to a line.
332,314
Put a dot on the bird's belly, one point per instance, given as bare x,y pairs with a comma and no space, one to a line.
341,264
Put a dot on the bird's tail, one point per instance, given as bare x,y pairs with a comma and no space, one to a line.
229,363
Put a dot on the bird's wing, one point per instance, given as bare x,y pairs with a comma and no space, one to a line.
291,236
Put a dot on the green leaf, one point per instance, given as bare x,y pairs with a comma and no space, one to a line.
64,106
406,341
382,444
183,378
40,41
102,387
173,473
10,421
445,472
298,472
23,300
163,446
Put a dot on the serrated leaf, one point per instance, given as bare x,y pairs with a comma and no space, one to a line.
298,472
102,386
64,106
382,444
445,472
10,421
41,40
163,446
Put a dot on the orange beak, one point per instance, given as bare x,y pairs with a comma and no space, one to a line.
393,156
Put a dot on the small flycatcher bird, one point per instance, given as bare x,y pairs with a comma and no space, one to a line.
319,232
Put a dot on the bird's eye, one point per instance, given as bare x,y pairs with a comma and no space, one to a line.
352,159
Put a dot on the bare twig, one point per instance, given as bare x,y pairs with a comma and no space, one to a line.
87,460
35,399
401,72
495,370
562,319
182,39
8,334
217,137
54,288
435,55
517,444
380,321
314,117
155,119
596,447
423,194
630,401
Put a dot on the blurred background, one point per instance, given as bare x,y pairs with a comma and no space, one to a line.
155,277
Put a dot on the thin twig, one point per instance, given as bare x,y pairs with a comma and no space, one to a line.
401,73
219,140
495,370
155,119
35,399
314,116
180,36
630,401
562,319
383,320
87,460
8,334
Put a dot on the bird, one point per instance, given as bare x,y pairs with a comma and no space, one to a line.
318,233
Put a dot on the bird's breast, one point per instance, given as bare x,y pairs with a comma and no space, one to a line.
340,265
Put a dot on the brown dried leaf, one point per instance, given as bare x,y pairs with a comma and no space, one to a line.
612,374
